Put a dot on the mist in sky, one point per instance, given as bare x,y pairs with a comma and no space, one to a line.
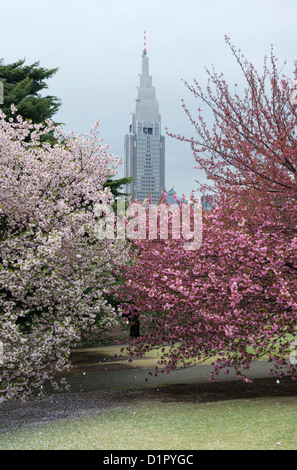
98,44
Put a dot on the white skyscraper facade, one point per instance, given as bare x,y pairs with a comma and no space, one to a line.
144,145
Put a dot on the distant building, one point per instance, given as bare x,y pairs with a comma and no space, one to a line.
207,202
172,198
144,150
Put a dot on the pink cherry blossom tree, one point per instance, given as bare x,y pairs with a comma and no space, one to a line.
234,299
54,272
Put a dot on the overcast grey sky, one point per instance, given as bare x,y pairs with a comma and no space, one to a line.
97,45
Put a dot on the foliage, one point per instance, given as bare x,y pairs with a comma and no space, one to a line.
235,297
22,84
115,185
54,272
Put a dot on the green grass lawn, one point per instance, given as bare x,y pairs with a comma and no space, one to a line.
106,357
251,424
152,422
107,354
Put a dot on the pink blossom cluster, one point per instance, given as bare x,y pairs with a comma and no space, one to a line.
234,300
54,272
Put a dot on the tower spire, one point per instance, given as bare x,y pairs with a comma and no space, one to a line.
144,44
145,78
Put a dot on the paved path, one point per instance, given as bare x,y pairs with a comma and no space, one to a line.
105,391
109,379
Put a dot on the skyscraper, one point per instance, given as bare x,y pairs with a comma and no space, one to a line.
144,145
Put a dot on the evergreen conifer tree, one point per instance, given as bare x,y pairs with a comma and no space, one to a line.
22,85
